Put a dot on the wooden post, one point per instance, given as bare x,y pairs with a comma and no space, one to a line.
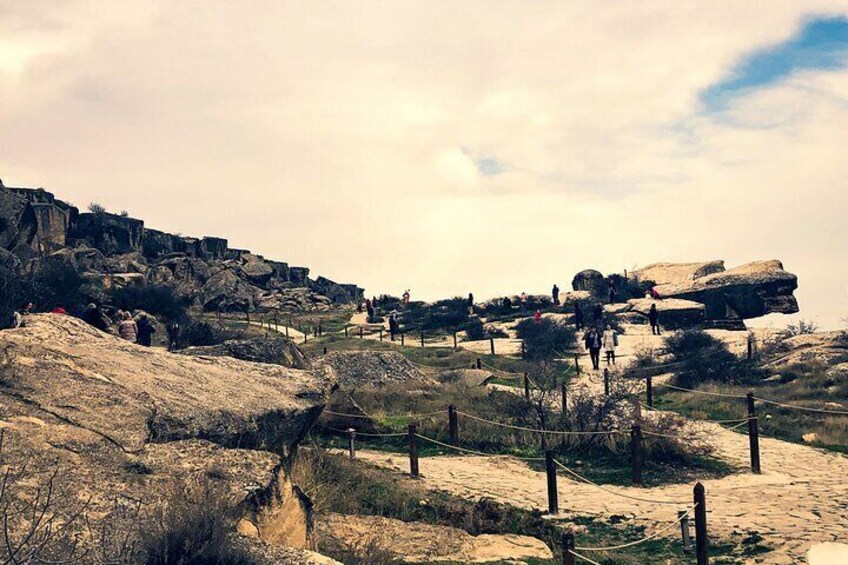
526,387
567,548
753,435
381,334
564,400
413,450
325,350
750,348
320,329
577,363
345,331
701,541
606,382
479,363
684,530
422,339
454,340
351,442
360,332
453,426
523,350
287,331
492,345
550,470
636,454
401,338
649,391
304,337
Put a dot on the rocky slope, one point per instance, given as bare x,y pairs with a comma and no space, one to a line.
116,424
115,251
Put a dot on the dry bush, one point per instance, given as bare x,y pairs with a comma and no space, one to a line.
366,551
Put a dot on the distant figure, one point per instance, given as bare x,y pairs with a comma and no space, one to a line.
406,297
555,294
374,302
146,329
128,329
369,307
537,317
359,307
173,330
507,303
610,341
579,317
612,294
523,299
96,318
598,314
654,319
393,326
470,304
654,294
593,342
19,314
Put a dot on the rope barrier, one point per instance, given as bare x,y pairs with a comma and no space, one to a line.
534,430
345,432
645,539
367,417
584,558
803,408
473,452
653,367
622,495
720,394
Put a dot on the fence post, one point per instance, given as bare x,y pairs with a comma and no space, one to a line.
750,348
422,339
345,331
701,525
351,442
453,426
684,530
564,389
320,329
550,470
325,350
606,382
401,338
526,387
413,450
381,334
636,454
492,345
577,363
287,331
523,350
454,340
649,390
360,332
567,548
304,337
753,435
479,363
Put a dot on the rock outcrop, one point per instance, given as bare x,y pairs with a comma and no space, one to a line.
372,368
590,281
123,423
673,313
273,350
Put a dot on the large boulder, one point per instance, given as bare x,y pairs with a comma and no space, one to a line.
273,350
33,222
372,368
256,270
116,424
590,281
677,273
226,292
673,313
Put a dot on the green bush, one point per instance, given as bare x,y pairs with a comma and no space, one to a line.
703,358
546,338
160,301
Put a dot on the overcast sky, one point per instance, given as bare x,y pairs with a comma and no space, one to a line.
448,147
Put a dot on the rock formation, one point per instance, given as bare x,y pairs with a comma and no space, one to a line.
371,368
674,313
590,281
120,423
273,350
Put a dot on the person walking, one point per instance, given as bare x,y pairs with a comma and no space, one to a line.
21,313
369,307
579,317
146,329
93,316
610,342
593,343
470,304
523,300
128,329
537,317
598,315
173,330
406,297
613,294
654,319
393,326
555,294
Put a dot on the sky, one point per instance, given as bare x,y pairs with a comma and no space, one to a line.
447,147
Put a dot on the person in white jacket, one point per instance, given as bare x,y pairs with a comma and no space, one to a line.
610,342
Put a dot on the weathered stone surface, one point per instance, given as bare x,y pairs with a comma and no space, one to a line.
256,270
677,273
133,262
673,313
337,292
273,350
293,300
591,281
372,368
109,233
33,222
226,292
131,423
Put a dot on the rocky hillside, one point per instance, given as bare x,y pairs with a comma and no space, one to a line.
108,425
116,251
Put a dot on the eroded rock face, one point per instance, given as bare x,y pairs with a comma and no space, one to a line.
273,350
590,281
673,313
677,273
133,423
371,368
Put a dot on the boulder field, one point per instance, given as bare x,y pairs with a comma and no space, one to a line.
114,423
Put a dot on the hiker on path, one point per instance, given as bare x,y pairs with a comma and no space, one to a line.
470,304
555,294
58,310
406,297
579,316
146,329
523,299
610,342
128,329
359,307
95,317
654,319
593,343
507,303
21,313
612,294
655,294
369,307
393,326
598,315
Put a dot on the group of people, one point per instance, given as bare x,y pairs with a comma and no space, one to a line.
595,340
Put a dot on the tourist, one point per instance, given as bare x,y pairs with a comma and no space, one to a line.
537,317
146,329
93,316
555,294
523,300
579,317
598,315
405,297
369,307
359,306
173,330
393,326
610,341
21,313
128,329
612,294
593,343
654,319
655,294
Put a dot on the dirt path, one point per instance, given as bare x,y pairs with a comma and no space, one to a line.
800,500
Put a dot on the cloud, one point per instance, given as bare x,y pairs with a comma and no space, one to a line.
484,146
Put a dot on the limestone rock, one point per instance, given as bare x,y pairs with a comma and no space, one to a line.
226,292
109,233
372,368
673,313
256,270
133,262
677,273
590,281
273,350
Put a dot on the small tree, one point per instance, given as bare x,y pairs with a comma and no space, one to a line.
803,327
96,208
545,339
703,358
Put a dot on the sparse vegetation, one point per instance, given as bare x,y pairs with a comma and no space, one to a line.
546,338
802,327
96,208
703,358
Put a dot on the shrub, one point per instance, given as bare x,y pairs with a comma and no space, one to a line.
546,338
703,358
14,290
56,283
160,301
803,327
96,208
203,333
474,330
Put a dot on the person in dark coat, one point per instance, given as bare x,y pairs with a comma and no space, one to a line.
555,295
470,304
593,342
598,314
145,331
654,319
93,316
393,326
173,330
613,293
579,316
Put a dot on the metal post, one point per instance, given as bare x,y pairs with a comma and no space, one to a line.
453,426
684,530
550,470
636,454
413,450
649,390
567,548
606,382
351,442
492,345
526,387
701,541
753,435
